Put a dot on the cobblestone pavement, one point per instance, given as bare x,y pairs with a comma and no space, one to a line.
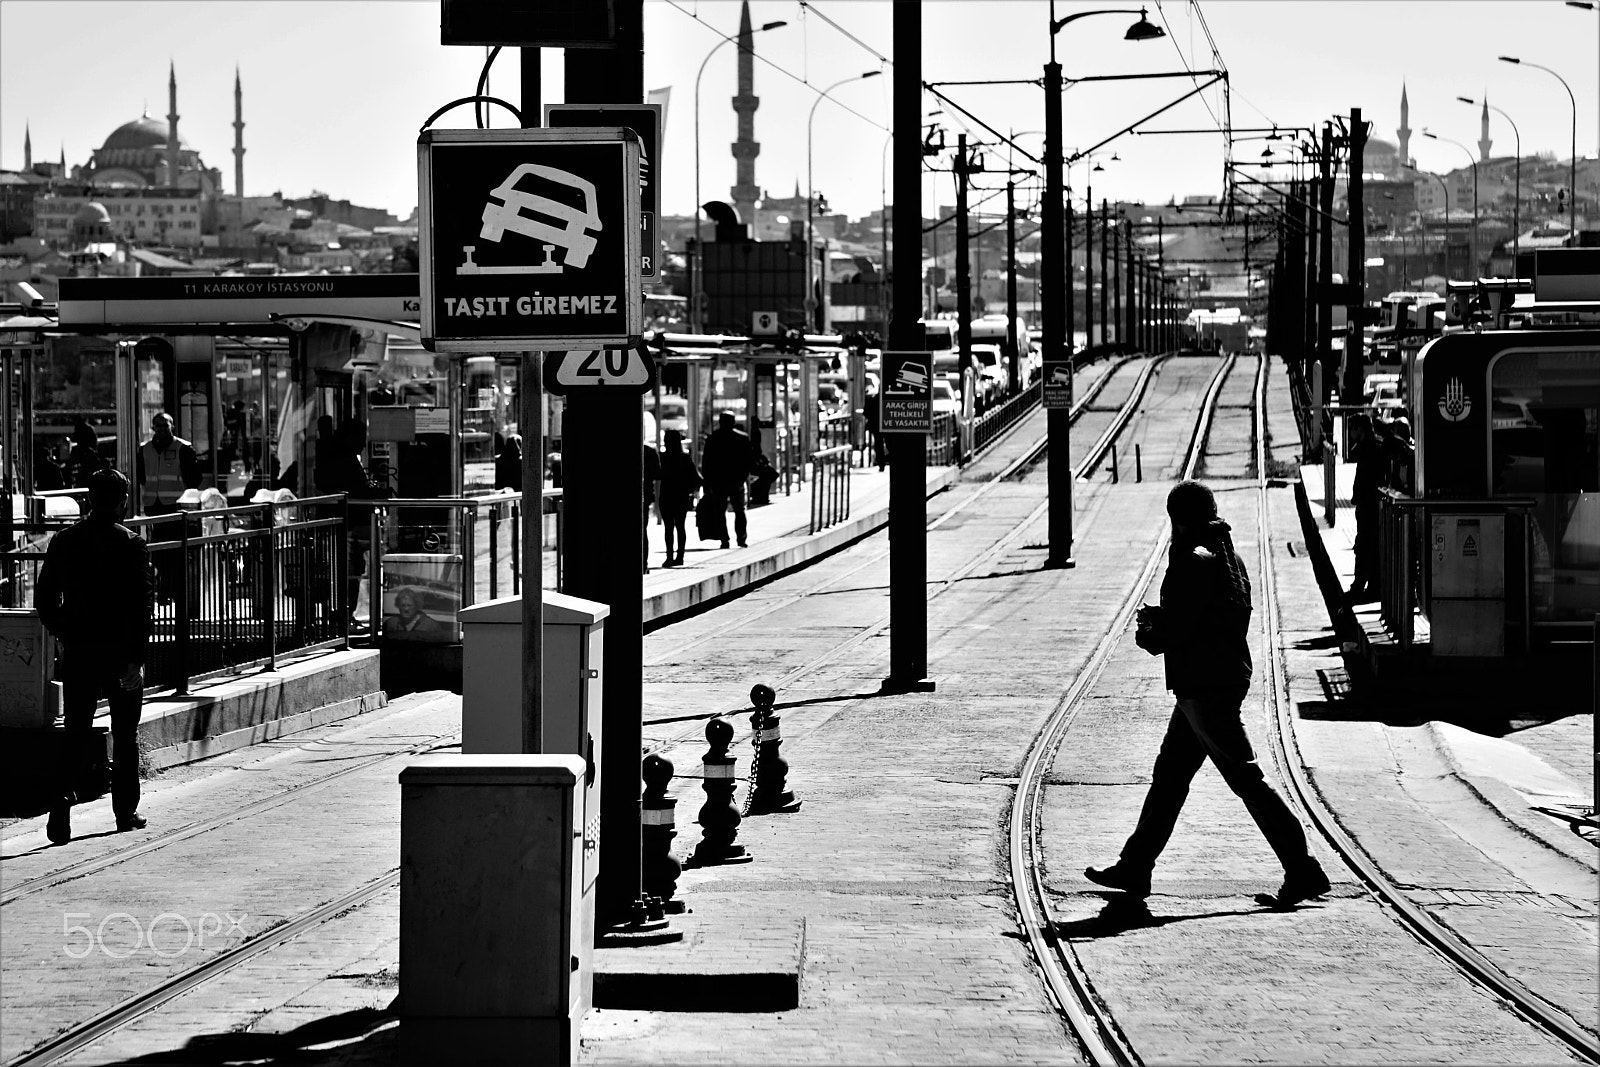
896,863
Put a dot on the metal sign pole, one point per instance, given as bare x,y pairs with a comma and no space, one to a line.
908,453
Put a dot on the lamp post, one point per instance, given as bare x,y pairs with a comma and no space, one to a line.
1050,280
697,291
1446,189
1473,160
1572,180
1516,203
811,199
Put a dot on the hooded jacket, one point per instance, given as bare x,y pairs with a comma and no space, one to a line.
1204,622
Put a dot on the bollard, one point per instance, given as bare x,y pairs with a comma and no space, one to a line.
719,819
768,770
1113,463
660,871
1138,465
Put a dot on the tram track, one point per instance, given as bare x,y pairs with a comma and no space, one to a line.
150,843
1101,1038
876,558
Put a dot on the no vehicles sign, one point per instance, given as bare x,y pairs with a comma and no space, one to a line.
529,239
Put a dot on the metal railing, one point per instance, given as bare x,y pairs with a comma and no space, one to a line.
1405,572
451,553
989,425
944,444
830,486
235,587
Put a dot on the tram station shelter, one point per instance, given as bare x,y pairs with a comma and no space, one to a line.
259,372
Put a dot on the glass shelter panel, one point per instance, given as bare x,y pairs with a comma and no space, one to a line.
1545,444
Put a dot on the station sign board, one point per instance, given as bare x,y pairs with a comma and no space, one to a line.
529,239
644,120
1057,388
221,300
905,404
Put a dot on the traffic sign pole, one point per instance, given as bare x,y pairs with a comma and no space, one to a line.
908,453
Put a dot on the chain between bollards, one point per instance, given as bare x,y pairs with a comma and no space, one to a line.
769,771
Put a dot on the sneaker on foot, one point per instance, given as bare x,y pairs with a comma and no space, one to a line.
1118,877
59,828
132,822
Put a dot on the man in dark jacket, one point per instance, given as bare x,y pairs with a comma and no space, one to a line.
725,464
1203,629
1373,455
96,594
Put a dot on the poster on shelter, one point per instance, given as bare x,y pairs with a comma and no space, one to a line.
421,595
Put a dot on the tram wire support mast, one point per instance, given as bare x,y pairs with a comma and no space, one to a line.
908,453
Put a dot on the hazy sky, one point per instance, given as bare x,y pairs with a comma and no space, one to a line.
336,91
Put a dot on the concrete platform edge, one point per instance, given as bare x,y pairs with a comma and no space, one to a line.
259,706
670,603
193,751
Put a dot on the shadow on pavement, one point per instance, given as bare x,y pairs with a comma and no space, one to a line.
1123,913
360,1035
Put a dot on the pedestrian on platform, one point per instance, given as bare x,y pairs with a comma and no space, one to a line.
96,594
167,465
650,464
85,457
508,464
726,463
1402,455
1202,628
1370,450
680,478
345,473
871,412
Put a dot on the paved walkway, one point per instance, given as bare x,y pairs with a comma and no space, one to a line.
894,865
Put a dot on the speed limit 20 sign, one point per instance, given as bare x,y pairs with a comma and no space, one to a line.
628,370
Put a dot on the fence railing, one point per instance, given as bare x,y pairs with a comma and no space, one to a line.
830,486
235,587
989,425
448,554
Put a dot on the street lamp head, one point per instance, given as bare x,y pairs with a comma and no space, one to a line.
1143,30
872,74
1467,100
772,25
1510,59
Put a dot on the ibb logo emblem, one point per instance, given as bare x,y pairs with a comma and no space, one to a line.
1455,404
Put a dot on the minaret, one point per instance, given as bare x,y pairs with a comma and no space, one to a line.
238,135
172,126
745,190
1405,128
27,148
1483,138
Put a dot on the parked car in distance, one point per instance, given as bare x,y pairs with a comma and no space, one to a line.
945,397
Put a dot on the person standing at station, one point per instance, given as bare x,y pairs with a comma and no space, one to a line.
1202,628
96,595
726,463
85,457
1370,450
680,478
508,464
650,464
345,473
167,465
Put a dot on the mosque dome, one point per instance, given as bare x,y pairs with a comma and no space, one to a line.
90,214
144,132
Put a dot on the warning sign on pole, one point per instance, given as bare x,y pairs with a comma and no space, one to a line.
905,404
1058,386
529,239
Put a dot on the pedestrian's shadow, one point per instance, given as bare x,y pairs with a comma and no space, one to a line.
361,1035
1123,913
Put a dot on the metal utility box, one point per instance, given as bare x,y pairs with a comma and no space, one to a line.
496,917
1467,584
491,689
27,655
